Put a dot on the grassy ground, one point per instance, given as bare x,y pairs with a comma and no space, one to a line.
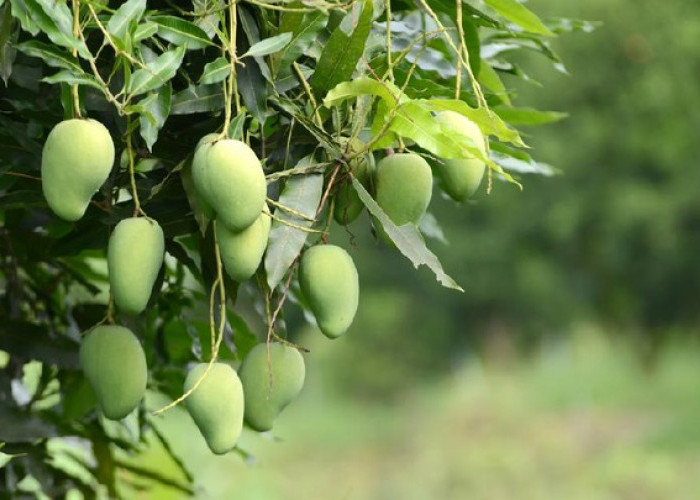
582,421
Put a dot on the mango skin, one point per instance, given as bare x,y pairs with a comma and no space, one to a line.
134,257
348,205
231,180
198,165
76,160
404,184
115,367
460,178
216,405
329,282
267,394
242,252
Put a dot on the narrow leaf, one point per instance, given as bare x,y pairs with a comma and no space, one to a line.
518,14
198,99
73,78
156,73
215,71
342,52
407,239
51,55
365,86
303,195
528,116
268,46
157,106
181,32
303,35
127,13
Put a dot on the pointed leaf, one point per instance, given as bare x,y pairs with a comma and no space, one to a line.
407,239
129,12
198,99
156,73
181,32
51,55
365,86
157,105
216,71
342,51
518,14
303,35
268,46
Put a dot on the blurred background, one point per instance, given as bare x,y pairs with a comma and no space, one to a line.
570,368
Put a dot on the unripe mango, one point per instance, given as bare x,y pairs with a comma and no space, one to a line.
404,184
216,405
198,165
76,160
347,203
460,178
134,257
242,252
328,280
115,367
267,392
231,180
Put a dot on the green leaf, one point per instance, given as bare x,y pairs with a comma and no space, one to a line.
51,19
144,31
215,71
528,116
181,32
128,13
157,105
303,195
268,46
21,13
73,78
236,127
489,123
387,91
518,14
407,239
51,55
303,35
253,89
198,99
489,77
342,51
157,72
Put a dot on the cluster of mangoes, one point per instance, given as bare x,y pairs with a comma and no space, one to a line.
231,187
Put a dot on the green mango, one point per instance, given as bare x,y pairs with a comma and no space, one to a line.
242,252
460,178
231,180
329,282
216,405
267,392
348,205
198,165
134,257
76,160
115,367
404,186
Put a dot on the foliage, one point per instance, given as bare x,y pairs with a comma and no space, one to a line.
297,82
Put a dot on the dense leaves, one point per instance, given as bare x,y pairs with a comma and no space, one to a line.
295,81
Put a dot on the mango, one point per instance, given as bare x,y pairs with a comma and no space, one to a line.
242,252
348,205
231,180
460,178
115,367
216,405
267,392
134,257
198,165
404,186
76,160
329,282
